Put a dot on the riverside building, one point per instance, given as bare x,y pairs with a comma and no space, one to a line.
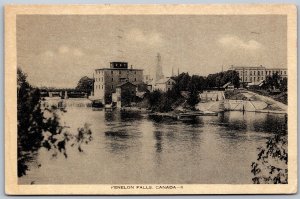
108,79
257,74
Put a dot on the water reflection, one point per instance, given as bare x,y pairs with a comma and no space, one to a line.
259,122
158,144
128,147
233,121
117,134
270,123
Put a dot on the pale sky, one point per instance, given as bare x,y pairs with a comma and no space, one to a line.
57,51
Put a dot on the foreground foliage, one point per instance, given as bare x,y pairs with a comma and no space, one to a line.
40,127
272,160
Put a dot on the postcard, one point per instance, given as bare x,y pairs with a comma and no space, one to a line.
150,99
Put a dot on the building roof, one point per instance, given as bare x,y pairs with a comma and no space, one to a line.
247,67
254,68
260,83
119,69
164,80
227,84
125,83
276,68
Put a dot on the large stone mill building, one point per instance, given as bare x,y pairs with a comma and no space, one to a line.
108,79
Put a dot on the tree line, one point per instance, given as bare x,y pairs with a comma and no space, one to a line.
200,83
275,81
192,85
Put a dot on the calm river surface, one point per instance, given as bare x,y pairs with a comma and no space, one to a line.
130,148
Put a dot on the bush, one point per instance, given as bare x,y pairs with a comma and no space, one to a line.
40,127
272,160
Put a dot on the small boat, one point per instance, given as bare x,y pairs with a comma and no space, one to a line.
97,104
209,113
162,116
186,117
201,113
97,109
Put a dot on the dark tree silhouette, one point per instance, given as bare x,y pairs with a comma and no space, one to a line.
193,98
40,127
272,159
85,84
273,81
30,122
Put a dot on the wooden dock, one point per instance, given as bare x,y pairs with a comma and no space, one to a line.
184,116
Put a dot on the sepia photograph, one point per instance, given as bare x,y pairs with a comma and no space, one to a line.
151,102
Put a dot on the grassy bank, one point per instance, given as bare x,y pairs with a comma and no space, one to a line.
234,95
281,97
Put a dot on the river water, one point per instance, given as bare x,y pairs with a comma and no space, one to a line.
131,148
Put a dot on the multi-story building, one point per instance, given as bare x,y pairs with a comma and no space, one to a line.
148,79
108,79
257,74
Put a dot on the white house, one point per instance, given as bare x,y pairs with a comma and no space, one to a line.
164,84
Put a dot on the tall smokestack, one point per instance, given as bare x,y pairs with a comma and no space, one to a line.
159,73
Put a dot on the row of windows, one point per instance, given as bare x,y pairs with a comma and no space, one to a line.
252,73
115,72
273,72
252,79
112,79
262,72
98,79
98,86
101,87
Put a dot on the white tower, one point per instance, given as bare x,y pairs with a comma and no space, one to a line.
158,73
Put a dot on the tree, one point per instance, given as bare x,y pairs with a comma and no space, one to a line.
233,77
154,98
273,81
85,84
161,102
283,84
40,127
271,165
193,98
30,122
272,159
